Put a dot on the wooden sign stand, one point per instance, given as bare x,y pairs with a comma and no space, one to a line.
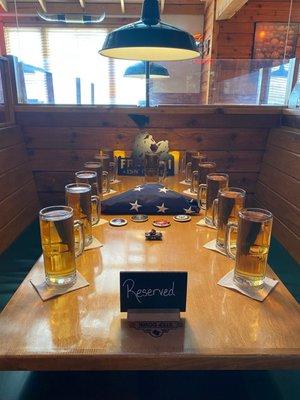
153,315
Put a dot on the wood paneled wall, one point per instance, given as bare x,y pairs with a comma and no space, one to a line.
59,142
278,187
235,36
18,196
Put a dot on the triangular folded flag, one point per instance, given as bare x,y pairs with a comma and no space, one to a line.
150,199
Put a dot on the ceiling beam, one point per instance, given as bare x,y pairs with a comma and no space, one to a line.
227,8
43,5
122,6
82,3
3,4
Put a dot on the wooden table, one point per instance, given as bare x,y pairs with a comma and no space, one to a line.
84,330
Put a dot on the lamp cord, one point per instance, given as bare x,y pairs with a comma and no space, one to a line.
288,31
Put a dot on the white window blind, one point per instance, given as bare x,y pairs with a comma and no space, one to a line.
69,54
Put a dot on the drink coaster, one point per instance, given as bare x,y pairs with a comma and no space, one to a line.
212,245
94,245
118,222
139,218
182,218
190,193
102,221
162,223
184,182
48,292
256,294
114,181
203,223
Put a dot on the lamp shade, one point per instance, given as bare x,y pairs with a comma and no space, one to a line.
138,71
149,39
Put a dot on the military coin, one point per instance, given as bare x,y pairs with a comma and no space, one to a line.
118,222
182,218
139,218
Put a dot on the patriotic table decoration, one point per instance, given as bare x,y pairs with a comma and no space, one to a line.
150,199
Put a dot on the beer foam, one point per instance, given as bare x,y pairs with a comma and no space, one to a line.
56,215
86,175
255,216
78,189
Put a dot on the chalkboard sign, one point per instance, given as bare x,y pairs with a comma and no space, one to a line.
153,290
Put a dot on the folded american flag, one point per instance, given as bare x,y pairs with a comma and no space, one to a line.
150,199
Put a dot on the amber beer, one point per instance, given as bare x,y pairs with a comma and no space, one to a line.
58,243
91,178
200,173
225,210
103,178
78,196
214,182
253,241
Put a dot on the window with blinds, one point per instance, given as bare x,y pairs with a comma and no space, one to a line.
78,73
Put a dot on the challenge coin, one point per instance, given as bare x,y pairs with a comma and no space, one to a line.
161,223
182,218
118,222
139,218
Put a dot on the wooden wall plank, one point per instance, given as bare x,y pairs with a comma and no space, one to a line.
284,160
281,183
159,120
11,180
288,139
69,160
280,207
10,157
123,138
12,230
11,205
10,136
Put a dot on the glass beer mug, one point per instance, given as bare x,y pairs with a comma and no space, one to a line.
91,178
155,169
58,242
109,164
192,160
252,247
225,210
200,173
208,192
102,176
78,196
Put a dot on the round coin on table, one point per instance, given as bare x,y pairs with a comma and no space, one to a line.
118,222
182,218
139,218
161,223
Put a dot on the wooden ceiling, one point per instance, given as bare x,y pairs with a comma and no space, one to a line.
112,8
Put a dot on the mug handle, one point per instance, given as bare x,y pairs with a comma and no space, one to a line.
188,171
164,169
229,228
95,209
105,177
113,167
215,215
78,226
201,189
194,181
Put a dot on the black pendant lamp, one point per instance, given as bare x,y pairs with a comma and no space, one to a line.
149,39
138,70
